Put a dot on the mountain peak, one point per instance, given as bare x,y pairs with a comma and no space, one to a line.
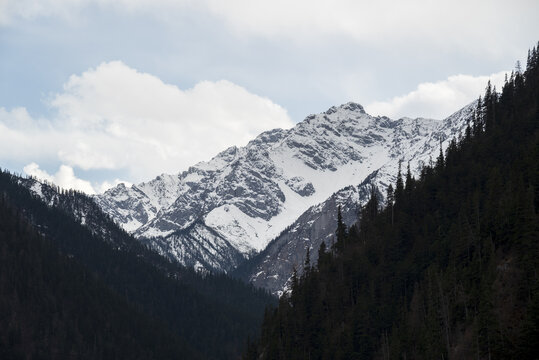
352,106
349,106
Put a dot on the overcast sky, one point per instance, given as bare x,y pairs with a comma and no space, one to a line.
97,92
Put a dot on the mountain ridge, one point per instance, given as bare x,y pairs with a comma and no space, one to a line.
248,195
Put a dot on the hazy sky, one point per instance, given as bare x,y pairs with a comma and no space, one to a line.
96,92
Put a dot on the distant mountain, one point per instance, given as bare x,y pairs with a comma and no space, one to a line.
219,213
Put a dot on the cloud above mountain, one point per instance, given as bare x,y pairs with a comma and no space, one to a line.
436,100
114,117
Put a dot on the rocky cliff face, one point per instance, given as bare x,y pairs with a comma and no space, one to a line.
272,268
285,186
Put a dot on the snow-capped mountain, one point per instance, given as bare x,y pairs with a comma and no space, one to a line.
217,213
272,268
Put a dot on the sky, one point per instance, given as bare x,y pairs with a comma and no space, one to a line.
97,92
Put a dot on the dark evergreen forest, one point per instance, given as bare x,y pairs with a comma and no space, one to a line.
52,308
69,292
447,268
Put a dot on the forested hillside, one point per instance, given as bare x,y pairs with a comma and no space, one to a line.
94,291
447,268
52,308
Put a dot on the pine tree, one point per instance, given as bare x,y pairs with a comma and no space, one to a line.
440,163
341,232
390,200
307,263
399,187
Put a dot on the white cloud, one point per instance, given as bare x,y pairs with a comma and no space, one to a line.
64,177
25,138
437,100
114,117
471,25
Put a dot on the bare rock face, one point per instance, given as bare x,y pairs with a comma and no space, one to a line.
284,186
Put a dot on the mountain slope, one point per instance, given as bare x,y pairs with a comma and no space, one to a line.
53,308
213,313
245,197
272,268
